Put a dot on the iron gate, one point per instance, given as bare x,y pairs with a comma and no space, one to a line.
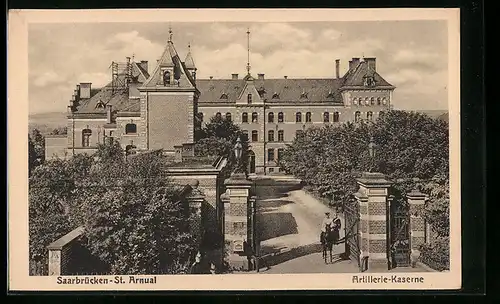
399,235
352,241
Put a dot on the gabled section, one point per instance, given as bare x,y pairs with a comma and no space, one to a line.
249,95
363,74
170,72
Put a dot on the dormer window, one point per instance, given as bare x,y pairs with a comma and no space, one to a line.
330,94
303,95
369,81
224,96
262,91
166,77
276,96
100,105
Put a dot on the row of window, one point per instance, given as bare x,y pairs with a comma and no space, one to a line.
369,101
130,129
271,156
281,117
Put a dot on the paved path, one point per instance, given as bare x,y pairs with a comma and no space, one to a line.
288,226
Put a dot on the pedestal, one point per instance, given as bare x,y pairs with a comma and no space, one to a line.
416,200
236,221
372,197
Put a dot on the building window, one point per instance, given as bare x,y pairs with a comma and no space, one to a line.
367,101
224,96
86,134
281,135
280,153
271,170
218,115
166,78
379,101
228,116
336,117
326,117
308,117
355,101
270,135
255,135
298,117
270,117
244,117
131,128
372,101
384,101
254,117
369,115
245,135
357,116
249,98
276,96
111,137
281,117
270,154
200,117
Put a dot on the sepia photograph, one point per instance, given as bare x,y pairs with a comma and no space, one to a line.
159,151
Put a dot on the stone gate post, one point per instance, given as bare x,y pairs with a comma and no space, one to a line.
236,226
372,197
416,200
196,200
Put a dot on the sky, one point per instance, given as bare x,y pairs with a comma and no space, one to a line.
412,55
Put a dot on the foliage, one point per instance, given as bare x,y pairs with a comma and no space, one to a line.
59,131
218,137
411,149
436,254
133,216
36,149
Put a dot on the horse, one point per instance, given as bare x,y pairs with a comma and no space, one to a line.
329,238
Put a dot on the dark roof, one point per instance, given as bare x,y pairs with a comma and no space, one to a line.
355,76
284,90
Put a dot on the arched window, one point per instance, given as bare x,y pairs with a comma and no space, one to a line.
281,117
166,77
270,117
355,101
281,135
130,149
357,116
249,98
245,135
218,115
369,115
228,116
244,117
200,116
130,128
367,101
86,134
326,117
298,117
384,101
372,101
308,117
111,137
379,101
336,117
255,117
255,135
270,135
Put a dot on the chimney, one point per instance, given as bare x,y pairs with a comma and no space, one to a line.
144,65
286,77
353,63
260,76
234,76
108,113
85,90
70,109
371,61
211,77
337,68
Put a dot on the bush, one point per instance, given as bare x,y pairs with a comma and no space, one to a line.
436,254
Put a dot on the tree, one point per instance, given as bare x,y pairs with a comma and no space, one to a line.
218,137
59,131
39,144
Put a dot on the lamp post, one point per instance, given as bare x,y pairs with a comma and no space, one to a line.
371,151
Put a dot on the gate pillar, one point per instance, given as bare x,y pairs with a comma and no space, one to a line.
236,221
416,200
373,199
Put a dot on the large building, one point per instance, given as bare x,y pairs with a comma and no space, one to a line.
148,109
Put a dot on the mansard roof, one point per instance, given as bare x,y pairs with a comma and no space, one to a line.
286,90
355,77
